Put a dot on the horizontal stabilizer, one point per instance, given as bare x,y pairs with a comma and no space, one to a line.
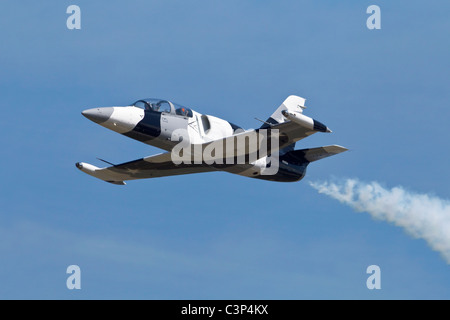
313,154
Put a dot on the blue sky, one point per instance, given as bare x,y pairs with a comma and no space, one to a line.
384,93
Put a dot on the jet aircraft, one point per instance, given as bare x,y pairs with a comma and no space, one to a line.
172,127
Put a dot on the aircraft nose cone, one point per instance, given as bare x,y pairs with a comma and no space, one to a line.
98,115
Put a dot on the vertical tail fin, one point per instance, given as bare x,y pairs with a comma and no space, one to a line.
292,103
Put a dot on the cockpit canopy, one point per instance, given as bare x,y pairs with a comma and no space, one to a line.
159,105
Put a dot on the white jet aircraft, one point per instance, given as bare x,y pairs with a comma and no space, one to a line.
198,143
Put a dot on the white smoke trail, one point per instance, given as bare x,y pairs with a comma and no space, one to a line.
421,215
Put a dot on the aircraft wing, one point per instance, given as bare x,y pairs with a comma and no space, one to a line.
160,165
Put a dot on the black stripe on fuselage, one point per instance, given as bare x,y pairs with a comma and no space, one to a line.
148,128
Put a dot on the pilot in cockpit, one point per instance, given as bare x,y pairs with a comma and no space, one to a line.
184,112
155,106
